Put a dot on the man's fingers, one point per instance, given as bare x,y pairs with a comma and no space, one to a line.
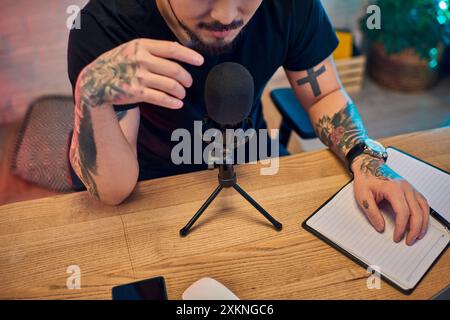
167,85
174,51
160,98
398,202
423,203
370,208
416,216
169,69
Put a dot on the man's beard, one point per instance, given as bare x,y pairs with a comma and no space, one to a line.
216,48
212,49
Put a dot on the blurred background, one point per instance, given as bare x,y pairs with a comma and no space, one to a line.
397,75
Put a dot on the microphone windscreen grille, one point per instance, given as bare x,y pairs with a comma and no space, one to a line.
229,93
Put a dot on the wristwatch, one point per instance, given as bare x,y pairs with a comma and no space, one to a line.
368,146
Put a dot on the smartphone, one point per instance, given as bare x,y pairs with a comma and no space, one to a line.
443,295
150,289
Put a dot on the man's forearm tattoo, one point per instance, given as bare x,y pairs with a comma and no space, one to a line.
84,148
312,80
377,168
108,79
342,131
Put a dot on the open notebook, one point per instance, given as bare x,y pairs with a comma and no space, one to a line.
342,224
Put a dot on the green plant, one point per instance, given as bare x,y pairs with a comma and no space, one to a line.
418,24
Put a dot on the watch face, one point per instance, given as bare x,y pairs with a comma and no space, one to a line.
375,146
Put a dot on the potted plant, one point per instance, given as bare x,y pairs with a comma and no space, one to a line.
404,54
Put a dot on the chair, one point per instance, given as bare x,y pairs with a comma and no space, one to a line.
294,116
40,153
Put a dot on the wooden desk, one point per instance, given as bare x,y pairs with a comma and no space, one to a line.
232,243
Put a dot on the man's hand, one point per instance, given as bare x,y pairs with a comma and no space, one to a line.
141,70
103,150
374,182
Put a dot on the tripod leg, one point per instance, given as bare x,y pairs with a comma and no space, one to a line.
184,232
247,197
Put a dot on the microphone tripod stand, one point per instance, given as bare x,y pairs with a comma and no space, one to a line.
228,179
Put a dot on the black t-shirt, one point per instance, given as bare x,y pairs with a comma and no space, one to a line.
295,34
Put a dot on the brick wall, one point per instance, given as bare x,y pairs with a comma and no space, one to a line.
33,44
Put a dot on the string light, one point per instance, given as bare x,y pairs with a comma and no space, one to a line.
433,52
443,5
442,19
433,64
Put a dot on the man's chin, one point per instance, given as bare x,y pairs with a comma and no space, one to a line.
225,36
213,48
207,44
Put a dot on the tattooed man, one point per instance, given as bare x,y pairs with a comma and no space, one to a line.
138,70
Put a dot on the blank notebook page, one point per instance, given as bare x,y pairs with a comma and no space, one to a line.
434,184
344,223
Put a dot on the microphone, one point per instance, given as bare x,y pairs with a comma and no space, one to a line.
229,94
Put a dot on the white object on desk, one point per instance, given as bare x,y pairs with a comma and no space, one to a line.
208,289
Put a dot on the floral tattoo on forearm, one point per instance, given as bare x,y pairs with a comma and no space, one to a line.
342,131
105,81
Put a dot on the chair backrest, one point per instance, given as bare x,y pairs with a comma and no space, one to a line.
41,149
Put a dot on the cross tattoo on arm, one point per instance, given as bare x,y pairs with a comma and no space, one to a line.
312,79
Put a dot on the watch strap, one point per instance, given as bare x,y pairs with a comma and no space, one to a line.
354,152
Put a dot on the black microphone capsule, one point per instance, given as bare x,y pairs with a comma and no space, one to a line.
229,93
